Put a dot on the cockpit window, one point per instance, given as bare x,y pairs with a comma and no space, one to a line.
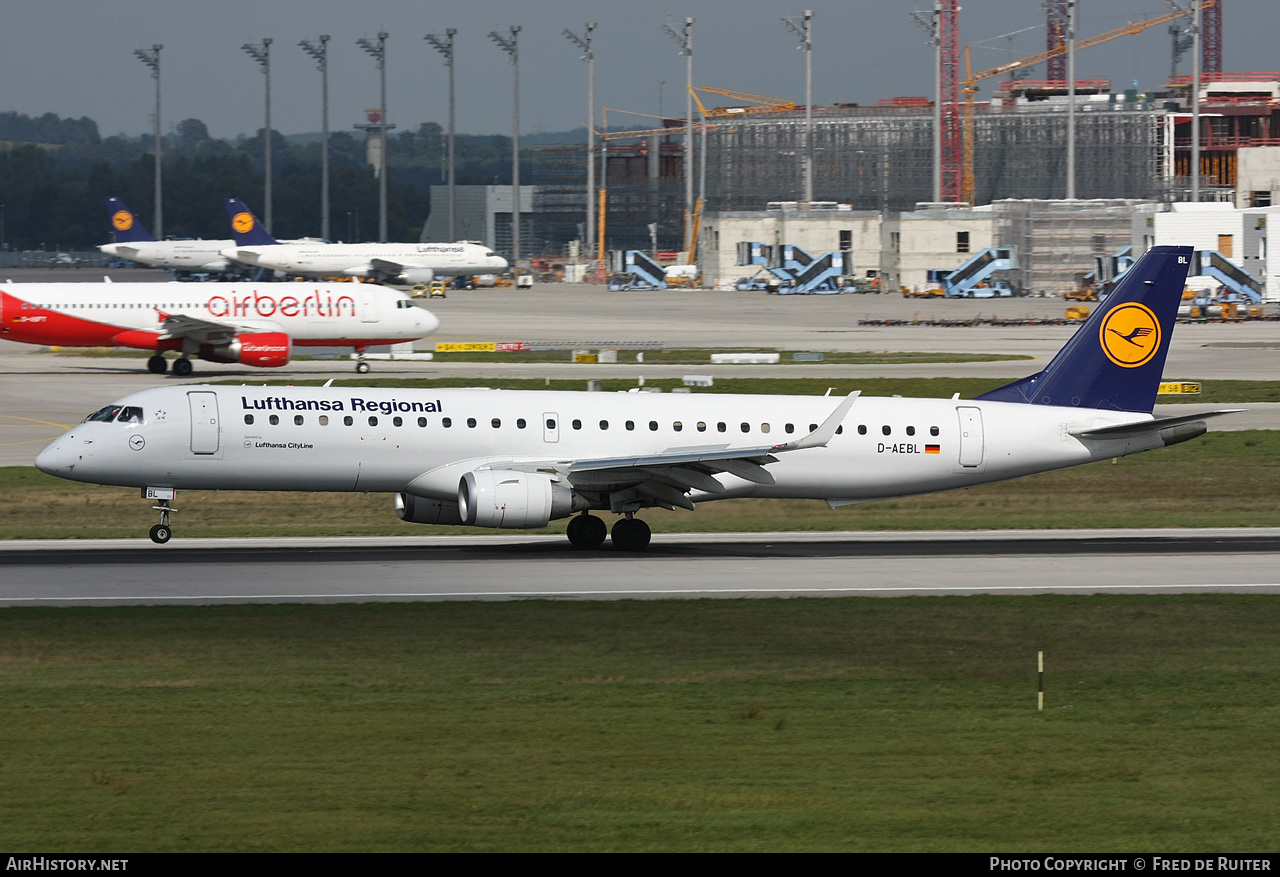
117,413
105,415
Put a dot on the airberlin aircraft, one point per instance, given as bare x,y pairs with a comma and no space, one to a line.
519,459
252,324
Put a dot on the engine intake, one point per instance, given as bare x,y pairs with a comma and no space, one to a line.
514,500
263,349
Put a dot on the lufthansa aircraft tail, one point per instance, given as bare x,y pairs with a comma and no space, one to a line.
126,227
1116,359
245,227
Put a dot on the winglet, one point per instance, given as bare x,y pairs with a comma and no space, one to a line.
820,436
245,227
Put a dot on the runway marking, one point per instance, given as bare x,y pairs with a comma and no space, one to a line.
547,594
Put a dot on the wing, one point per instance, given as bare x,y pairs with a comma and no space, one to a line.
202,331
667,477
386,267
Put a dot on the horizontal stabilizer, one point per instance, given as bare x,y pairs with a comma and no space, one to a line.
1143,427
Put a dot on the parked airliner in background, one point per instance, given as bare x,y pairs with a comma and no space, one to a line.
135,243
252,324
407,264
519,459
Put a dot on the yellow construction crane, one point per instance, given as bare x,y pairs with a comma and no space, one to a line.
756,103
969,83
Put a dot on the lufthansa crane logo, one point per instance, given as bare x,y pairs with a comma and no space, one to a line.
122,220
1130,335
243,222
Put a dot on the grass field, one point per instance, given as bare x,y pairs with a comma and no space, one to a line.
743,725
1224,479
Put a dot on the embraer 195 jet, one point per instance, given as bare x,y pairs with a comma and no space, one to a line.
406,264
519,459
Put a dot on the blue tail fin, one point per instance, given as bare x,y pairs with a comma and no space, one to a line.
126,227
1116,359
245,227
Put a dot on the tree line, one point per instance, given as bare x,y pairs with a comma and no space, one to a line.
55,176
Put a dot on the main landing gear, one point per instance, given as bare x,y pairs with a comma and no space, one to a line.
628,534
362,367
157,365
162,532
182,367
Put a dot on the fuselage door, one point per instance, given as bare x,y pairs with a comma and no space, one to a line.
971,439
550,427
368,307
204,422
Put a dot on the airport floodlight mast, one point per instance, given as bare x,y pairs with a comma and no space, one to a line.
933,27
803,28
587,44
262,54
320,52
379,53
684,39
511,45
444,45
152,59
1071,100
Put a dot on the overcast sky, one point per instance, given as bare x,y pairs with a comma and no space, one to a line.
75,57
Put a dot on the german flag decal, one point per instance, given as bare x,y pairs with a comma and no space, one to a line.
933,449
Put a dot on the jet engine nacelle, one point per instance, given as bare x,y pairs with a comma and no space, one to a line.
418,510
513,500
263,349
414,276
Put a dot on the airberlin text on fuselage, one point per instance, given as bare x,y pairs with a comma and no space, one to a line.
381,406
317,304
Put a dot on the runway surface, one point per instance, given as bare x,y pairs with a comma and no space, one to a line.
688,566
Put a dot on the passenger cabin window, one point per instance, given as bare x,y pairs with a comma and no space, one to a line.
720,427
446,422
297,420
348,420
933,430
274,419
471,422
677,426
886,429
248,419
422,421
702,426
397,421
373,421
604,424
520,423
323,419
577,424
862,429
653,426
496,423
911,430
631,424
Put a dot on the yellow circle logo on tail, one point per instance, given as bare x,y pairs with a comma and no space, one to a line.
1130,335
122,220
242,222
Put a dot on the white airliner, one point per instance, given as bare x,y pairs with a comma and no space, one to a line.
252,324
408,264
519,459
132,241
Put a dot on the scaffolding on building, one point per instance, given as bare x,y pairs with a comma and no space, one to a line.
1061,241
880,158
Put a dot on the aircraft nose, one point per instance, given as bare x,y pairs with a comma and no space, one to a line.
57,459
427,321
